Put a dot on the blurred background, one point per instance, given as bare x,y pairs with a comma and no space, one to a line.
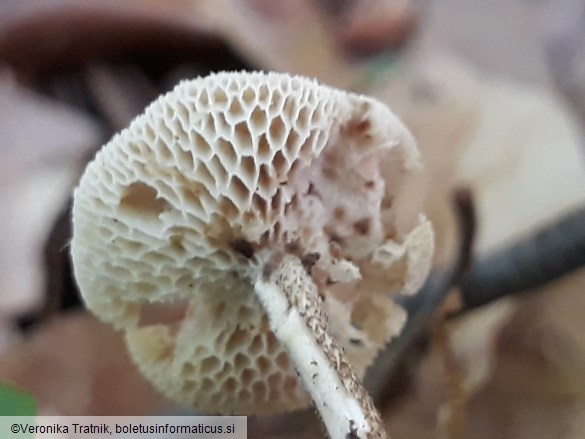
493,91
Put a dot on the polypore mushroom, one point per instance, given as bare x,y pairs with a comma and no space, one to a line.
258,207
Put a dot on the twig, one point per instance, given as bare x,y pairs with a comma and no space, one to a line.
532,262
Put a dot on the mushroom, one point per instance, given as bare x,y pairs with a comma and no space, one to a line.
249,229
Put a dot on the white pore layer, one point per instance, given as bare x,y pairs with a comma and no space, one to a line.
176,215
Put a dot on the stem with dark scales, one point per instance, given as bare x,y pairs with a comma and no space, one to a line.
296,317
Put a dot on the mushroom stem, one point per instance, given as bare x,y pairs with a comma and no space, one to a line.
295,313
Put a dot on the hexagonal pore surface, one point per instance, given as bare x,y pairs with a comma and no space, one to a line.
176,215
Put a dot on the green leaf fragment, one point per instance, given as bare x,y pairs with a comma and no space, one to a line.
15,402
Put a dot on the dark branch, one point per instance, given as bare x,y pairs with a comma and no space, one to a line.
532,262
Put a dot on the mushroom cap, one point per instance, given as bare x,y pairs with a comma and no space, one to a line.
178,214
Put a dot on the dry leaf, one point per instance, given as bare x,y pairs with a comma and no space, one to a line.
42,143
524,163
76,365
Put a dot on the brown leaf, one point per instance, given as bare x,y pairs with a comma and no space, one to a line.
65,35
76,365
41,142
